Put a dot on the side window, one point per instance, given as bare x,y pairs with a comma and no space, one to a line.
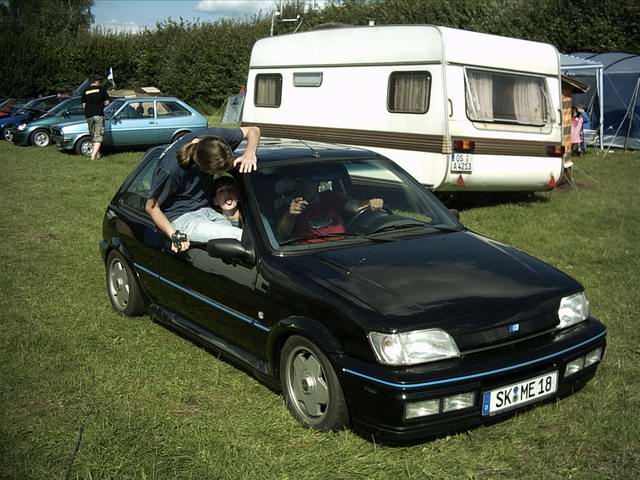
135,195
171,109
268,90
138,110
409,92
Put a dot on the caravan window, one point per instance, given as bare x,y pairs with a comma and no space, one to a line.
307,79
268,90
409,92
506,97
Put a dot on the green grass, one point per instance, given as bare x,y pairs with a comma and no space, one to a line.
151,405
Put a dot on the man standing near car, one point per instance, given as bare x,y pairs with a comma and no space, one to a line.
94,99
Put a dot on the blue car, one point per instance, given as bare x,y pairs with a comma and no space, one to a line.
33,109
131,123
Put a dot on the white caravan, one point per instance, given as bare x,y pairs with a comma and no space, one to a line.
458,110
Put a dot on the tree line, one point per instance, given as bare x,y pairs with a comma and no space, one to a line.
49,46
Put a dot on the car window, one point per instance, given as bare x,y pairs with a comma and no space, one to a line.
134,110
136,193
113,108
171,109
338,201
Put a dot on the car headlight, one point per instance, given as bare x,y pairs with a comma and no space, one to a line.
573,309
420,346
22,126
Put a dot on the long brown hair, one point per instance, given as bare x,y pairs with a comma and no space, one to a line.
211,154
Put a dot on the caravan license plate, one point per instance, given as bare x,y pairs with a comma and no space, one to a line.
461,163
520,393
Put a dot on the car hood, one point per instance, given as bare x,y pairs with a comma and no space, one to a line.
12,119
74,126
479,290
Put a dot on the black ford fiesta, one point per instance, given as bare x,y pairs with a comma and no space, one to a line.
360,295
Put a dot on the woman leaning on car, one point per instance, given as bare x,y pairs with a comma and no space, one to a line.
180,195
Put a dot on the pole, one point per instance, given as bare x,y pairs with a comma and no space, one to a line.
601,101
632,106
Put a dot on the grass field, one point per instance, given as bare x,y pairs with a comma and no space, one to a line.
86,393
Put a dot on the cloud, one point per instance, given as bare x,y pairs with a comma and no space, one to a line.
235,8
117,26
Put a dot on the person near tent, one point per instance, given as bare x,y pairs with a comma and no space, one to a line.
576,132
586,125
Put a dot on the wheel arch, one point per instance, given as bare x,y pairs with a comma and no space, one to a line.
79,139
306,327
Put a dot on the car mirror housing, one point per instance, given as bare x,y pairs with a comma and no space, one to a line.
230,250
455,213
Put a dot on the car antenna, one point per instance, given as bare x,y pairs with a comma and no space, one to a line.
315,154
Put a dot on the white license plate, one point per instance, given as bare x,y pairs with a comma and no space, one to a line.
521,393
461,163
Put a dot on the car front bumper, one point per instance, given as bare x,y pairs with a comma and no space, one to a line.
21,137
377,395
66,143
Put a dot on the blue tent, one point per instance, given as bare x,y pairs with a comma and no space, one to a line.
620,97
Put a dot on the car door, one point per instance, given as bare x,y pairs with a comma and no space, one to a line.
134,124
172,117
216,296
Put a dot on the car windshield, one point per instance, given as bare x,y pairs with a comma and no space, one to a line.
312,205
28,107
61,107
112,108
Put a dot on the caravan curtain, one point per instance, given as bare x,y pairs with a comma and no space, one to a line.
529,102
268,90
409,92
479,95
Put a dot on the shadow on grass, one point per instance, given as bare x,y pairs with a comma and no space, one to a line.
470,200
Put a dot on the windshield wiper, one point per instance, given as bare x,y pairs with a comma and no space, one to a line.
406,224
315,236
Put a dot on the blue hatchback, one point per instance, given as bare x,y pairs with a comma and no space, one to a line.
133,122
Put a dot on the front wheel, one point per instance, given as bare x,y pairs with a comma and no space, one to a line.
178,136
311,388
84,146
7,134
122,286
40,138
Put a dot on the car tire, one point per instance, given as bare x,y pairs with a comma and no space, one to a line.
122,286
40,138
310,386
7,134
84,146
178,136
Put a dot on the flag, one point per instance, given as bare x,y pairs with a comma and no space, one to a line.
109,74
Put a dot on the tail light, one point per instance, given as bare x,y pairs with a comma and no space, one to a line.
464,146
555,150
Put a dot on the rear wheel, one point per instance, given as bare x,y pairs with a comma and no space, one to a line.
84,146
7,134
311,388
122,286
40,138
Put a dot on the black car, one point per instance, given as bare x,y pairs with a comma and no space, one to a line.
396,320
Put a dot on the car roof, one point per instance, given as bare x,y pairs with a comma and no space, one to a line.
274,150
147,98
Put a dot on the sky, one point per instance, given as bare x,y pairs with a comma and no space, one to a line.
135,15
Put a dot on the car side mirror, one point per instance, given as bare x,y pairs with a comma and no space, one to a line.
455,213
230,250
116,119
66,113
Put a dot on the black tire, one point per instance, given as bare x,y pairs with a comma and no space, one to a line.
310,386
178,136
7,134
40,138
122,286
84,146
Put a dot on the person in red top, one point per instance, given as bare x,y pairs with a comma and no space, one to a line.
316,213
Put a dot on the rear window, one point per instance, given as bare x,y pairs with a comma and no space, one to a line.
507,97
268,90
